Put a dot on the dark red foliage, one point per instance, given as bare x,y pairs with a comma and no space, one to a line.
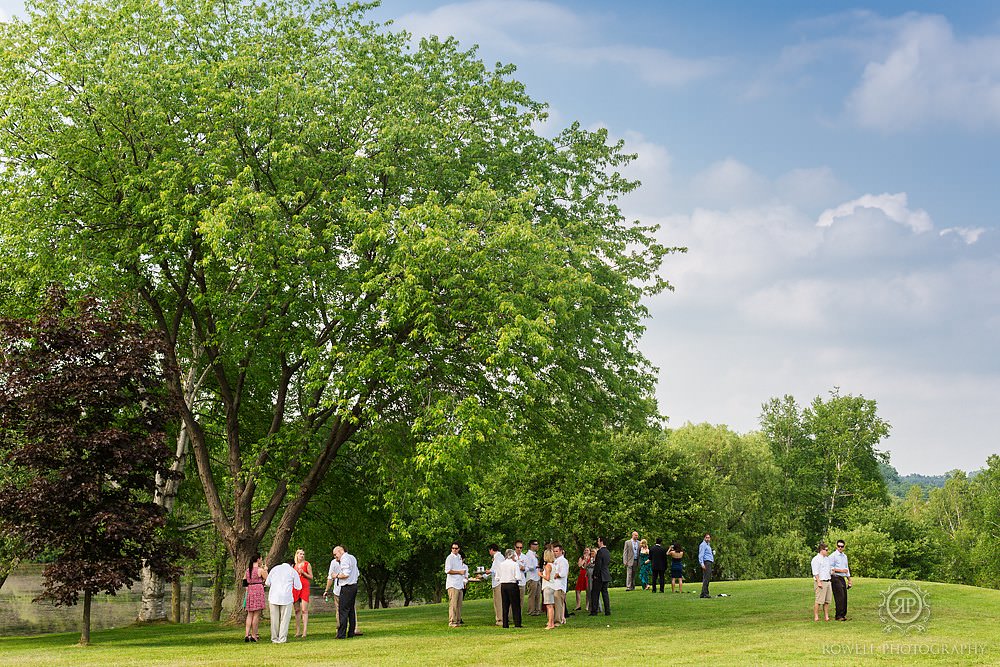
82,438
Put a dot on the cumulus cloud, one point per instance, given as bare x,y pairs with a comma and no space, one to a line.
894,207
930,75
544,30
769,300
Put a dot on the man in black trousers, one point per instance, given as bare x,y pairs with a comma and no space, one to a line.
658,561
602,577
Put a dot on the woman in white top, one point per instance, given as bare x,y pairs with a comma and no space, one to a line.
549,589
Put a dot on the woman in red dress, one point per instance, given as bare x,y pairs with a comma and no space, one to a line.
301,598
256,600
581,579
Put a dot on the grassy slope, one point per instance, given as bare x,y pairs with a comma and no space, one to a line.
761,622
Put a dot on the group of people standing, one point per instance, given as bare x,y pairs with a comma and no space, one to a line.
288,585
649,564
831,579
523,581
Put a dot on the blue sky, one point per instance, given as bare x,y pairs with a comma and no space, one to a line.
832,168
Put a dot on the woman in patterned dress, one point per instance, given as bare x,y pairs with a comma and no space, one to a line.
256,600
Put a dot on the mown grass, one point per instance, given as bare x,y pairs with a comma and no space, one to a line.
760,622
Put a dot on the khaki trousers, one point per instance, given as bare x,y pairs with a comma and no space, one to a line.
533,597
454,606
498,603
560,605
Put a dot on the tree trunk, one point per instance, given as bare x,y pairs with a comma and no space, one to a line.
219,585
243,552
175,589
190,594
153,585
153,594
85,627
7,568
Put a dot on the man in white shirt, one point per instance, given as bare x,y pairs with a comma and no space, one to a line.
821,577
281,580
840,581
455,571
347,623
497,601
560,572
532,580
518,558
510,592
333,581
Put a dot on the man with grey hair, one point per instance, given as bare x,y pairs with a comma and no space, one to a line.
281,581
510,593
348,576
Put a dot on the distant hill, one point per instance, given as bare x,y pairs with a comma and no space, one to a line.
898,485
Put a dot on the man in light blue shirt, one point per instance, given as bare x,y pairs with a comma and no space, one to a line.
707,561
841,580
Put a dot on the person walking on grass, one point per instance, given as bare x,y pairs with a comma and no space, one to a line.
706,558
821,579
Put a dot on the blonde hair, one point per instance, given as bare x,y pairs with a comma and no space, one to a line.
548,556
643,543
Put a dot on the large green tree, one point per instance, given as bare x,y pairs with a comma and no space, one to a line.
828,453
331,229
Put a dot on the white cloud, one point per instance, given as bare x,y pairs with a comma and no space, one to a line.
534,30
968,234
930,75
729,183
770,302
894,207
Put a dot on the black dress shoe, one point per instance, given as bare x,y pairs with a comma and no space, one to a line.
593,613
246,640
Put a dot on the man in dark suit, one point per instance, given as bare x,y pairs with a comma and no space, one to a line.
658,561
602,577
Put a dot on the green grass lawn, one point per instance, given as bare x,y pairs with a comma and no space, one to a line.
760,622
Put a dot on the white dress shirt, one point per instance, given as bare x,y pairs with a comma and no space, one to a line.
498,559
281,580
334,571
507,572
530,561
821,567
348,566
454,562
561,567
519,561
